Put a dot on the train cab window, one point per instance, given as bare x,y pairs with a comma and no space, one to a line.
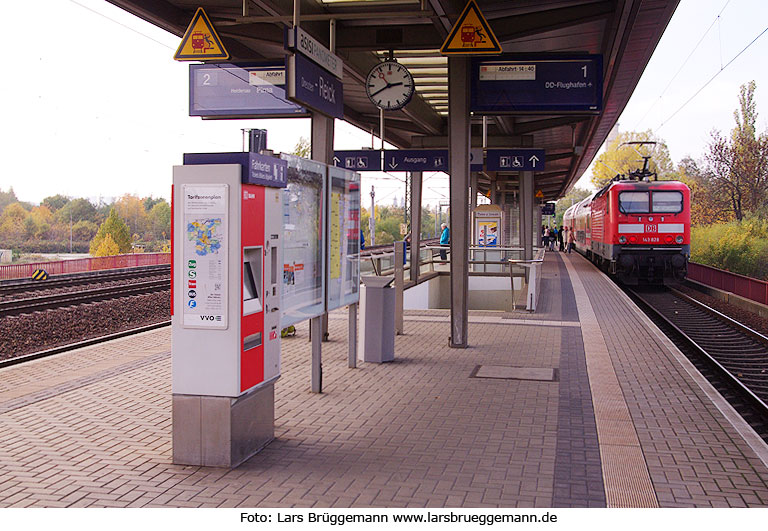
667,202
634,202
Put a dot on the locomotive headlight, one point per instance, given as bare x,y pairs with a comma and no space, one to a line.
622,239
679,239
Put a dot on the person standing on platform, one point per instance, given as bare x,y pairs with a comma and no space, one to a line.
571,239
552,236
543,236
445,239
560,239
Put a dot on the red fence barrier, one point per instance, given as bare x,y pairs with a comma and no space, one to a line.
749,288
81,265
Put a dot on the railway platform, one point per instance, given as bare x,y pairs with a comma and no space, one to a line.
582,404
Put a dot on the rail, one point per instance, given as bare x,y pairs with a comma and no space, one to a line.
749,288
81,265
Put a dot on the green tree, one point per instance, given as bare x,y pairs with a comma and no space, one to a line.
160,219
303,148
76,210
116,228
84,230
739,164
107,247
621,159
55,202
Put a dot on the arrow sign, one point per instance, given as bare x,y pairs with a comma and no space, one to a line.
358,160
515,160
417,159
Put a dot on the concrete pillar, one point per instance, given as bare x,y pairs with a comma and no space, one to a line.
526,214
458,146
416,178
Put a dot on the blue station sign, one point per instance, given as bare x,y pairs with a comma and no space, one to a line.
240,90
256,168
310,85
416,160
515,160
360,160
545,84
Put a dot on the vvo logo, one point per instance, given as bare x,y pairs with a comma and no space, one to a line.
651,228
210,317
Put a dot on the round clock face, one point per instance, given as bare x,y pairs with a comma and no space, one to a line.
389,86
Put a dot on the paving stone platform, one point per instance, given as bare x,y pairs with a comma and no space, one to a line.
92,427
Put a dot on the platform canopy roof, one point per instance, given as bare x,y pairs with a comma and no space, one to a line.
625,32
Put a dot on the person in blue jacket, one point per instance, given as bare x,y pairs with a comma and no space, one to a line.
445,239
362,239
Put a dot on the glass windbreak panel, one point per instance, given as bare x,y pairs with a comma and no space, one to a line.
343,237
667,202
634,202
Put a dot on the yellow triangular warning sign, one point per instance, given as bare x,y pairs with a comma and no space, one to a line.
200,42
539,194
471,35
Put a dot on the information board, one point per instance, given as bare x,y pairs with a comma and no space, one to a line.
537,84
205,213
303,295
343,237
240,90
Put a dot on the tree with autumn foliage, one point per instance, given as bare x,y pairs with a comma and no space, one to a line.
620,158
738,165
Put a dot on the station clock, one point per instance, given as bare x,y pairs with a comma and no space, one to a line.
389,86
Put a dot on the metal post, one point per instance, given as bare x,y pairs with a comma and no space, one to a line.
316,330
352,349
296,12
399,257
322,151
458,145
416,178
372,219
526,214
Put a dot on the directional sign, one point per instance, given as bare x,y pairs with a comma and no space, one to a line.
544,84
256,168
547,209
515,160
310,85
240,90
201,42
362,160
471,35
416,160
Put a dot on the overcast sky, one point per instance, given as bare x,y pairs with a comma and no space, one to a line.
95,106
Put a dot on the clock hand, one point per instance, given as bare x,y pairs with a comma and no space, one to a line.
381,89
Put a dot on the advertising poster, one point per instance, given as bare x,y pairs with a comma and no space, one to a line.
303,295
204,267
488,233
344,238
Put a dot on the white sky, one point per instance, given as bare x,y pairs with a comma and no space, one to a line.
95,106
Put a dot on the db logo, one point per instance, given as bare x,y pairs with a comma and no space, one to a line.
651,228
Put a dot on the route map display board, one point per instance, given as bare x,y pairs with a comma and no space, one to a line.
237,91
205,213
303,294
343,237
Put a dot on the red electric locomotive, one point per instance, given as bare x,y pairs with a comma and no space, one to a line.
636,228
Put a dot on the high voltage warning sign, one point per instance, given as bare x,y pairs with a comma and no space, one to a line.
200,42
471,35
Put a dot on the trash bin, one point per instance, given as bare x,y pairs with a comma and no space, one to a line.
377,311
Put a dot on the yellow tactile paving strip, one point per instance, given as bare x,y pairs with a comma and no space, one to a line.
625,473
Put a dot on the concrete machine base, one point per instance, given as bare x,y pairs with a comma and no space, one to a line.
222,431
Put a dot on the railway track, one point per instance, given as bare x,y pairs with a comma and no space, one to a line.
729,354
14,287
59,300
